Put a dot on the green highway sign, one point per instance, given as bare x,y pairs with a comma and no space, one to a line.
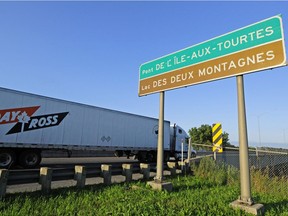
157,75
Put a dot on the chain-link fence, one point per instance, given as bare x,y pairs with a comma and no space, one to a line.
268,169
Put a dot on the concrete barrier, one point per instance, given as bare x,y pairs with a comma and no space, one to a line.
106,173
45,179
172,168
145,170
80,176
127,172
4,173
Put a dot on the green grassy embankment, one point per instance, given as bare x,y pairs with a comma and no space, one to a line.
208,192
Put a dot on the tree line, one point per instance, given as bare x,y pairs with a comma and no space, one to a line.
203,135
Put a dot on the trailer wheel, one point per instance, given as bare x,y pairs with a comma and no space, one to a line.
118,153
166,156
30,158
151,156
142,156
7,158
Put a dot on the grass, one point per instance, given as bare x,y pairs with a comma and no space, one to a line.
208,192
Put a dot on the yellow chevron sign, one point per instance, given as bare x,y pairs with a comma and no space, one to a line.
217,137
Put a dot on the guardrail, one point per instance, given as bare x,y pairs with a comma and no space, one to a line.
46,175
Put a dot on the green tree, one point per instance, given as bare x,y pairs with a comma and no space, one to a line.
203,135
225,139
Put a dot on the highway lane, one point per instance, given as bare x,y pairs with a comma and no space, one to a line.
85,161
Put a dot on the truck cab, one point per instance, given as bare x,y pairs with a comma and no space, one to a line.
179,137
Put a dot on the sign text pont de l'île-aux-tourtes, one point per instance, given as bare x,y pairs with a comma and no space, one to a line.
256,47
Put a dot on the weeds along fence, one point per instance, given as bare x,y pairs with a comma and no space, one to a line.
267,168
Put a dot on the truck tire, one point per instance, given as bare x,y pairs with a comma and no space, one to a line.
166,156
151,156
118,153
7,158
30,158
142,156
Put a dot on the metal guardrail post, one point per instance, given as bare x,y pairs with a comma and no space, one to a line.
127,172
215,156
106,173
80,176
3,182
145,170
184,167
45,179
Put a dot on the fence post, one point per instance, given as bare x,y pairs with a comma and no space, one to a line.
189,151
80,176
127,171
45,179
183,165
172,168
106,173
3,182
145,170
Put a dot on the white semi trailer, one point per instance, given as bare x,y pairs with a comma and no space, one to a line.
30,124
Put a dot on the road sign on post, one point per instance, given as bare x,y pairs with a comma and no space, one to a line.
217,137
255,47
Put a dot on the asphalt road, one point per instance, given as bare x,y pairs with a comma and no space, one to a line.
67,162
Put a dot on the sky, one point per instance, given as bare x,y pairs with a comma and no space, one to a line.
90,52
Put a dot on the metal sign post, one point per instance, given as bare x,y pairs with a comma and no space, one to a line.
160,150
158,183
245,200
243,144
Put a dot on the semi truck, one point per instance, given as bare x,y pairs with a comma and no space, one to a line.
31,124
